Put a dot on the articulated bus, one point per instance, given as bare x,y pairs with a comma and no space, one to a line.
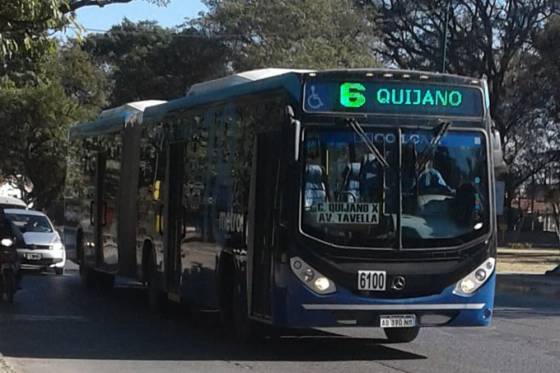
298,199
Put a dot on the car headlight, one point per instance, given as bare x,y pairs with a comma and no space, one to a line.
311,278
57,246
6,242
474,280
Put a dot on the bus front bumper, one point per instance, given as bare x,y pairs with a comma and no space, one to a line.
305,309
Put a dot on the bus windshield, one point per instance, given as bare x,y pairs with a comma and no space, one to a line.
349,199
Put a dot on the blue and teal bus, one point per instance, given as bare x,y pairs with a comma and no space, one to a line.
298,199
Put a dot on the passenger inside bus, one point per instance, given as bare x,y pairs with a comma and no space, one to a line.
351,190
370,179
315,190
430,181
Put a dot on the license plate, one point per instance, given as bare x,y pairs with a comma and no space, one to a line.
372,280
33,256
397,321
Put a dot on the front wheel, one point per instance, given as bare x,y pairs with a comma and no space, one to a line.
9,287
59,271
87,277
401,335
156,297
245,330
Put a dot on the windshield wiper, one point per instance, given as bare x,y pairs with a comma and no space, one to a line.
428,153
357,127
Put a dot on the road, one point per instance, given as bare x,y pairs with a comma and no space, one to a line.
56,327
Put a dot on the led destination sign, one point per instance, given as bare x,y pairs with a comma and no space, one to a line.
392,98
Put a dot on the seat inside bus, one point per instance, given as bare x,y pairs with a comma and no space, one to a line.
351,189
315,190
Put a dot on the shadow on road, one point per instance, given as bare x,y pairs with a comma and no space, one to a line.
53,318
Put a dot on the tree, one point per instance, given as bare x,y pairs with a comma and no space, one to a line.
146,61
290,33
485,38
24,23
548,72
35,118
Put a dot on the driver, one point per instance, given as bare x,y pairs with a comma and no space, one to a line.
430,181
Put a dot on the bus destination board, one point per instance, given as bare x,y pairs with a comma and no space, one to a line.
392,98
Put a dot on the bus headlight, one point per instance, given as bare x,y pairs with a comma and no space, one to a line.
474,280
311,278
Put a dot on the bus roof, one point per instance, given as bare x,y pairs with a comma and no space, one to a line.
114,119
256,81
12,201
241,84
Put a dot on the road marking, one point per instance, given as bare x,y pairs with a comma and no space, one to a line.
11,318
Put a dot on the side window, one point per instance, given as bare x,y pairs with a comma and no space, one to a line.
112,149
151,171
195,163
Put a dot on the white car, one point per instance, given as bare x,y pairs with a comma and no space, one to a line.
43,248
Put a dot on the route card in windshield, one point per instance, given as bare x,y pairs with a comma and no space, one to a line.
346,213
379,97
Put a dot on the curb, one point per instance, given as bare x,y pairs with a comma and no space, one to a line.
4,367
541,285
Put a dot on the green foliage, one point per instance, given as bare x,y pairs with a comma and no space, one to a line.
292,33
146,61
35,117
24,23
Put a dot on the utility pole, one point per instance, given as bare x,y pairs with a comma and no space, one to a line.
444,41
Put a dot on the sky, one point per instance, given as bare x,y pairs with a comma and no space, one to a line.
96,19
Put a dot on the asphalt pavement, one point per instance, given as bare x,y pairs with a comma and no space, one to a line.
55,326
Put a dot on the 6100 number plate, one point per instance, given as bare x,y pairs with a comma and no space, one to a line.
372,280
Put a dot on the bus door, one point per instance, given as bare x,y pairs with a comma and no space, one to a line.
108,183
173,230
96,207
265,184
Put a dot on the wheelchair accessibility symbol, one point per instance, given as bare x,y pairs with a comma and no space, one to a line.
314,101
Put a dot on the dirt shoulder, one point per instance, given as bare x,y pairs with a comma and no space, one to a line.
535,261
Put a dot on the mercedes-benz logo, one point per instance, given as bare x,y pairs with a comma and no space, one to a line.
399,282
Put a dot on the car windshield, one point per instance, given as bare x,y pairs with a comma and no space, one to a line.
31,223
349,199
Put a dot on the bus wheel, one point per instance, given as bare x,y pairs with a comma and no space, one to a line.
156,299
9,288
243,328
401,335
87,277
105,281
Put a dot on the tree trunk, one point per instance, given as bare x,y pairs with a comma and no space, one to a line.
508,205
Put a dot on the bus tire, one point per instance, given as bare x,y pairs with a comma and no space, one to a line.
9,287
104,281
156,297
87,279
401,335
227,270
244,329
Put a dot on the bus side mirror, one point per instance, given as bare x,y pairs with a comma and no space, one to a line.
296,125
500,167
